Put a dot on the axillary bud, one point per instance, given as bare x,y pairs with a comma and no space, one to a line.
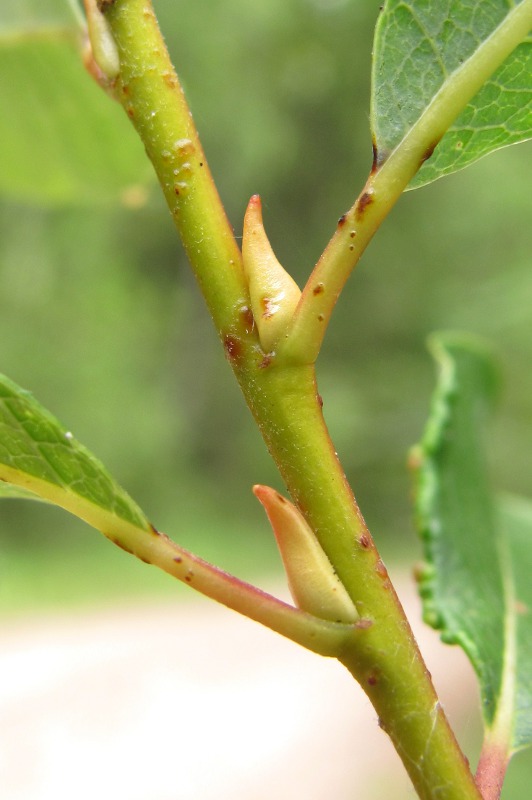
273,293
312,581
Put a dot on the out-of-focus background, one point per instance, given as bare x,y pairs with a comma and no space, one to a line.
101,319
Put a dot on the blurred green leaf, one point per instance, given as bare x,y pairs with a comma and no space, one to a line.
476,586
39,456
63,140
516,520
21,16
10,492
418,46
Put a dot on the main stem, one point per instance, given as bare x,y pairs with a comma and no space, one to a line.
283,399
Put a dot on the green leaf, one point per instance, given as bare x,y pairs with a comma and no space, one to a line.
10,492
475,585
516,520
39,456
19,16
423,49
63,140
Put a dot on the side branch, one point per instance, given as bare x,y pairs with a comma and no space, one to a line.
386,183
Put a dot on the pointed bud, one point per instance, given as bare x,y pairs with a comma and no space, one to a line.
312,580
102,43
274,294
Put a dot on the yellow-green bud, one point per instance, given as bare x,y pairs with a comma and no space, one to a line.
273,293
103,45
313,583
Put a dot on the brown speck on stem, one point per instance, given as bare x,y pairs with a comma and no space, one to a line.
364,541
122,546
342,220
232,347
320,400
266,361
364,201
373,679
130,112
178,560
353,234
375,163
381,569
247,317
318,289
154,531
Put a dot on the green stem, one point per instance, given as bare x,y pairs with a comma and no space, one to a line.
284,401
151,94
386,184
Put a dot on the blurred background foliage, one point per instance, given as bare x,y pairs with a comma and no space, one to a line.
102,321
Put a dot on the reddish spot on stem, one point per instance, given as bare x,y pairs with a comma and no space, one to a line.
247,316
122,546
381,570
232,347
320,400
154,531
130,112
319,289
364,541
373,679
342,220
363,624
266,361
379,157
178,560
364,201
375,164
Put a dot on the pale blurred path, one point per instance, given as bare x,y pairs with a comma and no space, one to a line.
189,701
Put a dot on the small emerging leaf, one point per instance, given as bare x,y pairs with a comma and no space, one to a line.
476,586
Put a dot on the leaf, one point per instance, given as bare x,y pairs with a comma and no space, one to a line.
19,16
516,519
10,492
39,456
63,140
475,586
421,46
